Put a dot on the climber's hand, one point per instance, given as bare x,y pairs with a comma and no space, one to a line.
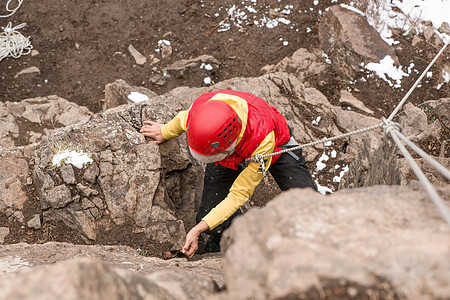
191,245
153,130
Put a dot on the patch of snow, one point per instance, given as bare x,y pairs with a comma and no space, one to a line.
76,158
137,97
386,67
316,121
333,154
207,80
341,174
320,165
322,189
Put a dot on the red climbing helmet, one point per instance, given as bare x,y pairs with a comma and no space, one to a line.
213,128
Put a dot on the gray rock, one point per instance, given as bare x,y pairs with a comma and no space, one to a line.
366,169
67,174
35,222
20,256
385,240
302,63
4,232
138,57
348,40
14,170
57,197
348,99
117,93
179,68
31,70
90,173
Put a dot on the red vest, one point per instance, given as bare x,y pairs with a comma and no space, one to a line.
262,119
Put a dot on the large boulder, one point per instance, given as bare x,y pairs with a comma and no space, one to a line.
118,195
348,40
389,241
22,256
87,278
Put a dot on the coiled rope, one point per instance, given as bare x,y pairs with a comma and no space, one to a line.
13,10
12,43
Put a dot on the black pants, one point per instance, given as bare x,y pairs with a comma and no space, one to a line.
288,172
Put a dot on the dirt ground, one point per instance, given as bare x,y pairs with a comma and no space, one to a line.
83,45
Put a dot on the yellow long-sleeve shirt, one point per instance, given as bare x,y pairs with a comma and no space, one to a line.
245,184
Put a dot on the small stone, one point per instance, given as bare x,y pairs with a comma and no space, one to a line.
95,212
167,255
67,174
352,291
35,222
86,204
86,191
34,52
445,28
158,79
4,232
138,57
98,202
30,70
18,215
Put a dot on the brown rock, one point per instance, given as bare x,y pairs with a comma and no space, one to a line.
383,239
349,40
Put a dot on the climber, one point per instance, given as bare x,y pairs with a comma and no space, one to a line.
223,129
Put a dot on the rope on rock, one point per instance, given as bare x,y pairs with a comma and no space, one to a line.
12,43
399,106
391,129
431,191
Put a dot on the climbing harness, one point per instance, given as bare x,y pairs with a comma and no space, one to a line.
12,43
393,130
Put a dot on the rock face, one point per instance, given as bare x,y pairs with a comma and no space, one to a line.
379,162
147,191
349,40
87,278
122,188
25,257
385,241
28,121
120,196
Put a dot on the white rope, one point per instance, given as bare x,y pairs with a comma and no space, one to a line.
260,158
13,10
422,178
399,106
440,168
257,158
13,43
